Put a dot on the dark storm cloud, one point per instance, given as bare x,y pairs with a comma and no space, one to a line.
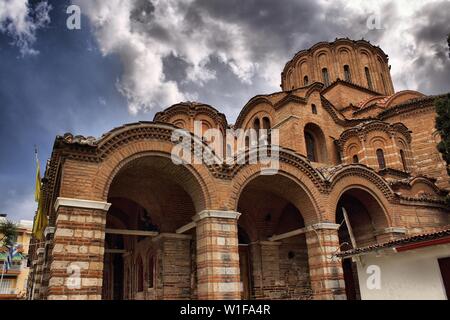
220,52
432,64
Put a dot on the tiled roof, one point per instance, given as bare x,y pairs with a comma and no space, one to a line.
398,242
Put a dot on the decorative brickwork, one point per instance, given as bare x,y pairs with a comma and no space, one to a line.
76,271
123,211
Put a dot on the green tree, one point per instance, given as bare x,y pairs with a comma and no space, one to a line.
448,42
8,233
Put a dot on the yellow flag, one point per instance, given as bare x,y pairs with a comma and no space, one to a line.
40,220
37,191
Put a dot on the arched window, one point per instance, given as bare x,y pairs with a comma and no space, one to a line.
151,270
305,80
256,124
347,75
369,80
247,142
355,159
380,158
313,109
266,123
402,155
310,147
325,77
384,83
140,275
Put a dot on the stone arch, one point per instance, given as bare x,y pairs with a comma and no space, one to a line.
364,179
114,162
301,188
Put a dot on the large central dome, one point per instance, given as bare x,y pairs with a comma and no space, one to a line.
358,62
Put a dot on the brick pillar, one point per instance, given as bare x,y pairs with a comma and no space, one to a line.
266,269
218,275
327,277
76,270
175,266
48,235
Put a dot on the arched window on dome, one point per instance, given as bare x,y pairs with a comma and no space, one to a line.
347,74
369,80
384,83
380,158
257,126
325,77
305,80
266,123
310,147
402,156
355,159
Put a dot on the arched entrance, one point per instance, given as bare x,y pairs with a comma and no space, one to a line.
360,209
271,208
145,258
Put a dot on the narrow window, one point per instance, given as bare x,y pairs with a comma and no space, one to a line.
380,158
347,75
310,147
402,155
369,80
326,79
151,268
266,123
256,124
313,109
355,159
305,80
384,83
140,275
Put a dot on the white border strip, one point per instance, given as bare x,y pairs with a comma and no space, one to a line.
216,214
81,203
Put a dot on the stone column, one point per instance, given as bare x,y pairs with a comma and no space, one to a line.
327,276
76,270
218,275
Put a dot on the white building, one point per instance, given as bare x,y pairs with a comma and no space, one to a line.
414,268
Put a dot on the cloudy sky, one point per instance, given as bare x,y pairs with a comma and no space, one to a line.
133,57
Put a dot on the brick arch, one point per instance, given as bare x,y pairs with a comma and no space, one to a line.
302,188
348,182
201,191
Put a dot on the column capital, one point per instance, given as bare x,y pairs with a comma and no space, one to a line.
216,214
49,230
323,226
81,203
398,230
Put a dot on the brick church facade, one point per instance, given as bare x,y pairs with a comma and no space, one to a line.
125,222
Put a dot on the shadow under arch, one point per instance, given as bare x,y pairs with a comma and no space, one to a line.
185,175
276,204
366,220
